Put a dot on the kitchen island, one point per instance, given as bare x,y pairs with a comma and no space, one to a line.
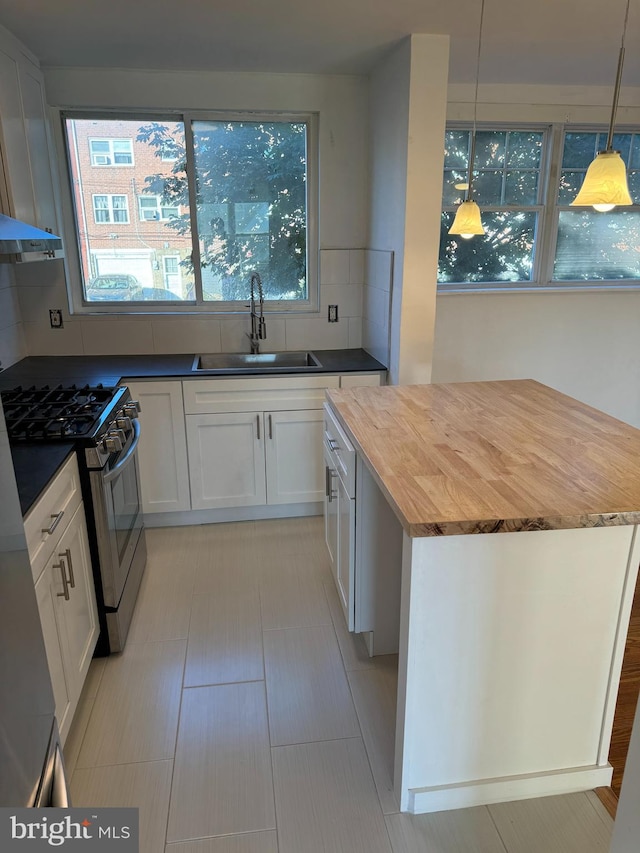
515,510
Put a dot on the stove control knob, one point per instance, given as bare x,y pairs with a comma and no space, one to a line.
111,443
131,408
123,422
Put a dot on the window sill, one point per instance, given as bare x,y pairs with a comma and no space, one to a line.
564,287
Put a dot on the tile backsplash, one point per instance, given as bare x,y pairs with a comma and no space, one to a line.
13,345
376,303
42,286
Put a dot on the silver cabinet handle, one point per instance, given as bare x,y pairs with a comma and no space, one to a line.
270,427
67,556
258,425
329,475
57,518
333,445
65,584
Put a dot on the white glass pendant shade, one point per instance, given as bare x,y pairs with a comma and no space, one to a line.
605,184
467,221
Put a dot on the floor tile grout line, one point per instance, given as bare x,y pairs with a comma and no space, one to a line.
84,734
597,810
311,742
125,763
224,835
493,821
266,705
223,683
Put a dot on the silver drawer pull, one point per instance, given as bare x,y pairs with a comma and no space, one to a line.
67,556
65,584
258,426
270,427
333,445
56,521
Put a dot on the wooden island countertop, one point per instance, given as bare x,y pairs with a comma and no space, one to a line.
491,457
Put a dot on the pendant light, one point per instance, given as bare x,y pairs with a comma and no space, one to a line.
467,220
605,184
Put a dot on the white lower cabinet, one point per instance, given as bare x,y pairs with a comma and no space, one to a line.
255,458
66,601
295,471
162,451
226,460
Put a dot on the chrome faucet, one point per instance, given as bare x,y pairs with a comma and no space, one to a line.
258,325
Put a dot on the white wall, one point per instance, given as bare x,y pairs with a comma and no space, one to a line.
408,106
341,103
582,343
12,340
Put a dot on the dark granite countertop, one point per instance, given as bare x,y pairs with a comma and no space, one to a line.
35,467
110,369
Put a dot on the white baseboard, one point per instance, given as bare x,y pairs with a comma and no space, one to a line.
241,513
487,791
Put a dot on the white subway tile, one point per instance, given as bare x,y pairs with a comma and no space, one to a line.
186,335
36,301
116,336
334,266
375,305
355,331
307,333
9,307
375,339
378,269
43,340
348,298
356,266
234,331
13,345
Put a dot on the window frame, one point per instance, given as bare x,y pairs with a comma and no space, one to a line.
547,232
79,304
110,208
110,141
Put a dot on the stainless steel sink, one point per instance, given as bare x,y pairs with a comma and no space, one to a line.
255,361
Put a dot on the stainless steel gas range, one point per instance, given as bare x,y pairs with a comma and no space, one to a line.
103,423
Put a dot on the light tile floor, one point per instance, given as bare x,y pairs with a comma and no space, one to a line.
242,716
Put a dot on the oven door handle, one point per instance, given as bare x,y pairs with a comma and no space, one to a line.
127,457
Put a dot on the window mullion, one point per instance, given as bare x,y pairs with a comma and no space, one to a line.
549,231
193,208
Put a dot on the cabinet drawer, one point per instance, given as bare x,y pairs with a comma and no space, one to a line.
355,380
253,394
60,500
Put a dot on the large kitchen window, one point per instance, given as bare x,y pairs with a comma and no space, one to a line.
524,182
218,197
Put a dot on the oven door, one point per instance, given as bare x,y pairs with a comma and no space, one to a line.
118,517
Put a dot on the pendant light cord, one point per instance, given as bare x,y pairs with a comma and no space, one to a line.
616,89
472,153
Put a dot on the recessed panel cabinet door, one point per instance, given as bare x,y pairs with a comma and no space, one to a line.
295,468
78,617
226,460
162,452
47,589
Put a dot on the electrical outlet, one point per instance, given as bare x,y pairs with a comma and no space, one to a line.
333,314
55,318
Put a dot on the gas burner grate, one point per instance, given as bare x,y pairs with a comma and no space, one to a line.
50,414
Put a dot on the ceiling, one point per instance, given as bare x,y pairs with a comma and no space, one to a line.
568,42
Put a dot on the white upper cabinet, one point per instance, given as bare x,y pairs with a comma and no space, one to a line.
28,190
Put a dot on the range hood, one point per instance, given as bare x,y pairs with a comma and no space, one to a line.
17,237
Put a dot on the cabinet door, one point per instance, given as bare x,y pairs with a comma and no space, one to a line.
47,589
345,575
331,515
226,460
35,121
15,154
295,470
162,452
78,617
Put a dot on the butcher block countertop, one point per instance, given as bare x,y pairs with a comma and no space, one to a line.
492,457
